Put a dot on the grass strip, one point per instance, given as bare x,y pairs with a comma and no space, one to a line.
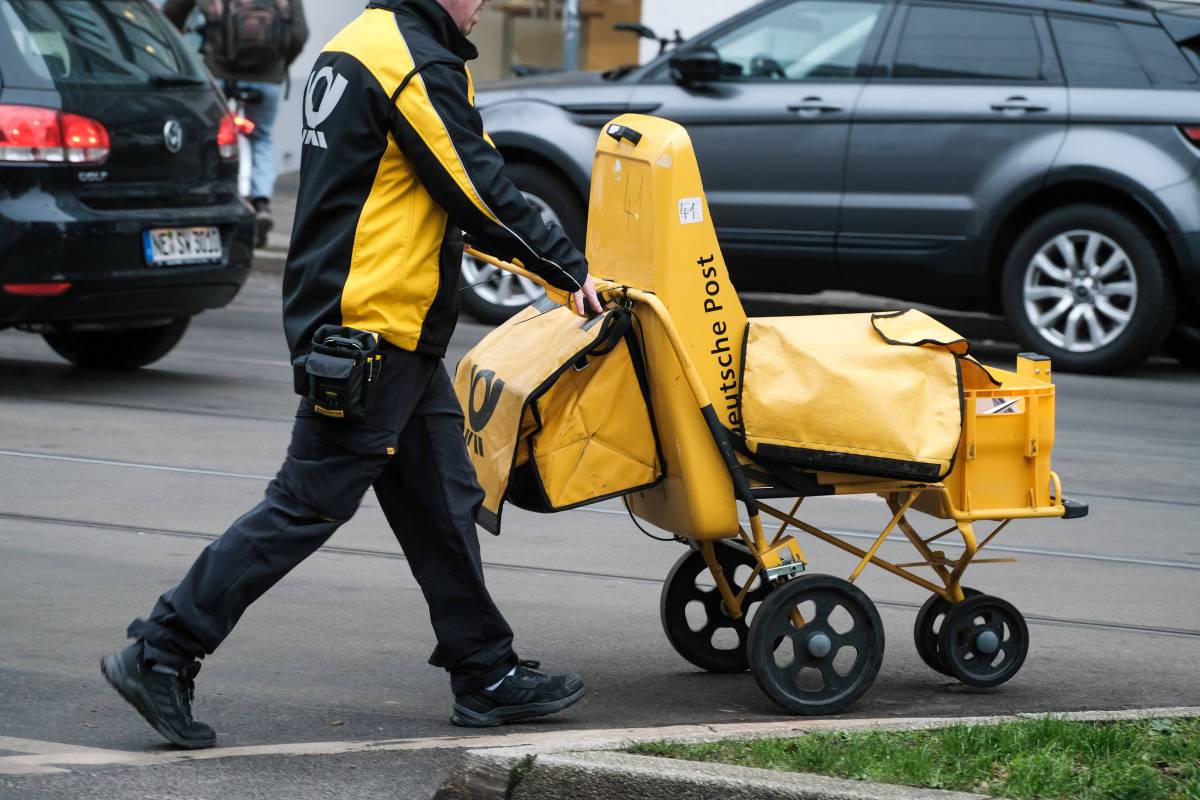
1044,758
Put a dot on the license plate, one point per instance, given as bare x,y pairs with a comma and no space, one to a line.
170,246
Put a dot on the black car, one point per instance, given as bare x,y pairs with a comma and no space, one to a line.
119,212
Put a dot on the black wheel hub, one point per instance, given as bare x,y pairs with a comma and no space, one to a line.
984,641
816,644
709,644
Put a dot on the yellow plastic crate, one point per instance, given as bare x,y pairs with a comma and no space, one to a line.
1003,464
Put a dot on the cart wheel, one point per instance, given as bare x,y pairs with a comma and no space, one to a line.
984,641
928,624
701,644
825,665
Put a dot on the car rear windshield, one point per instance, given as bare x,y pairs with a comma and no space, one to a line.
87,43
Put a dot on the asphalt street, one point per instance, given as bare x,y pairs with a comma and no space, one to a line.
111,483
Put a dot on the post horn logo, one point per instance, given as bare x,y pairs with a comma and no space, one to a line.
330,86
485,396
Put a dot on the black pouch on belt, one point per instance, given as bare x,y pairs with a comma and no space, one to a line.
338,375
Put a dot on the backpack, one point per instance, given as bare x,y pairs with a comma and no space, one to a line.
248,35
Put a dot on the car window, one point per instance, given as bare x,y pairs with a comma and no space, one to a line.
67,43
942,42
1096,54
802,40
1160,56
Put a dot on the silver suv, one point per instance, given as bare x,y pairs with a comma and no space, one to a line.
1031,157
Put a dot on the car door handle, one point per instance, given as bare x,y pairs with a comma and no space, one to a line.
1018,104
811,106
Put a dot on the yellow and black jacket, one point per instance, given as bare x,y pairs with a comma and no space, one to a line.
395,163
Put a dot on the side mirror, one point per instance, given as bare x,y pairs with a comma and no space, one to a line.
697,65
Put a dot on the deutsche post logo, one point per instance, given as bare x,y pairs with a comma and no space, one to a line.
481,405
331,86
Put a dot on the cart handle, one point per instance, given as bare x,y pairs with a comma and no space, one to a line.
608,290
604,288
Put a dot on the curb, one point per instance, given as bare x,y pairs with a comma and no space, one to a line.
611,775
585,768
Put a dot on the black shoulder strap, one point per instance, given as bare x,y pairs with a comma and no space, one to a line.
412,74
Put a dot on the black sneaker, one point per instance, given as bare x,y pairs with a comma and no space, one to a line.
164,699
525,694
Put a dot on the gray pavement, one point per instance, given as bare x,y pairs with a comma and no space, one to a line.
110,484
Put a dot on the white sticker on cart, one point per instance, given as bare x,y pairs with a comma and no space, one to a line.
691,210
991,406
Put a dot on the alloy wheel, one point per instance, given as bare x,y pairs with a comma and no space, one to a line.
1080,291
501,288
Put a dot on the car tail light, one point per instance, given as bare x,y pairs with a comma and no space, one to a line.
1191,133
227,141
244,125
31,135
86,139
37,289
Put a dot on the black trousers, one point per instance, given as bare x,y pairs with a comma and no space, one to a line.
411,448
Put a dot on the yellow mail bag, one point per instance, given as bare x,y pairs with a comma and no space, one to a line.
557,412
863,394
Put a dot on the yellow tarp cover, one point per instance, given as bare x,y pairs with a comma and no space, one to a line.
865,394
556,413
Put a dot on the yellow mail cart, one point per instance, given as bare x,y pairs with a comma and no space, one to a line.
677,403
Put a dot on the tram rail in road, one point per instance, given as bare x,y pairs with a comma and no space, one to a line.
397,556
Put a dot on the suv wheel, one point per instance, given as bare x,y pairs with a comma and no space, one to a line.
128,348
1086,286
492,295
1184,341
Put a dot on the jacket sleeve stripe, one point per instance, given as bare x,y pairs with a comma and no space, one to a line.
494,218
447,153
429,125
435,122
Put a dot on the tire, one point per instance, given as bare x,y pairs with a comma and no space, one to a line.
780,654
927,626
491,296
1120,284
1184,342
967,653
680,590
125,349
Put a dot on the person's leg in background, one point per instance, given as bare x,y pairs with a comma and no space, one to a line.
264,170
